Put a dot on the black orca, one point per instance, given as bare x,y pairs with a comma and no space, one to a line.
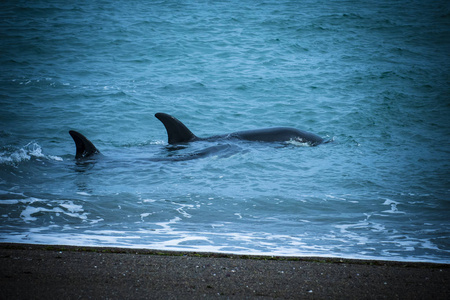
85,148
178,133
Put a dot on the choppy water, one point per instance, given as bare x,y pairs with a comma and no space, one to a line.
372,76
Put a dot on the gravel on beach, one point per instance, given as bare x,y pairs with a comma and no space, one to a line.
73,272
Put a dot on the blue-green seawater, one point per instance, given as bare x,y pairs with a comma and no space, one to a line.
372,76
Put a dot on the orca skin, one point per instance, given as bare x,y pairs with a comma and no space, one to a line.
85,148
178,133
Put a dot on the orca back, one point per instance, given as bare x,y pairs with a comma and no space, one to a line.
177,132
85,148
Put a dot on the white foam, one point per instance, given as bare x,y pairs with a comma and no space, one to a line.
25,153
67,208
34,149
393,204
393,210
27,213
96,221
298,143
83,194
72,207
53,157
251,243
144,215
9,202
390,202
148,200
14,158
182,211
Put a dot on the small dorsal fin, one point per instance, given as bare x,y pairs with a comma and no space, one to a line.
85,148
177,132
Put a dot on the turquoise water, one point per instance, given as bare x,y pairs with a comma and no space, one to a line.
372,76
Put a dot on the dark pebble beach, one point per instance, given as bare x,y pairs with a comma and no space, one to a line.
72,272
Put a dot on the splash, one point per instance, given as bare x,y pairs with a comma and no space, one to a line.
13,156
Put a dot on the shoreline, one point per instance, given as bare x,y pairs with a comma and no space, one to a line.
108,272
144,251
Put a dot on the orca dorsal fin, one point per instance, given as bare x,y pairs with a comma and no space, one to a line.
85,148
177,132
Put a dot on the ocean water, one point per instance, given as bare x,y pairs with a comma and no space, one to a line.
372,76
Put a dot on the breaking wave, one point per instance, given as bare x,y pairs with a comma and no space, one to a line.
14,156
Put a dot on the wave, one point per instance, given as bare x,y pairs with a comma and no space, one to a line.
13,156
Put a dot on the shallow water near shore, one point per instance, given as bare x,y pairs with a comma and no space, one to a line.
371,77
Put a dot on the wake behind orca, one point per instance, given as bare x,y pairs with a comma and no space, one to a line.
178,133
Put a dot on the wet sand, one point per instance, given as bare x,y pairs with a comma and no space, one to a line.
70,272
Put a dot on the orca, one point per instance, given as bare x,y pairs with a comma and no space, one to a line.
85,148
178,133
